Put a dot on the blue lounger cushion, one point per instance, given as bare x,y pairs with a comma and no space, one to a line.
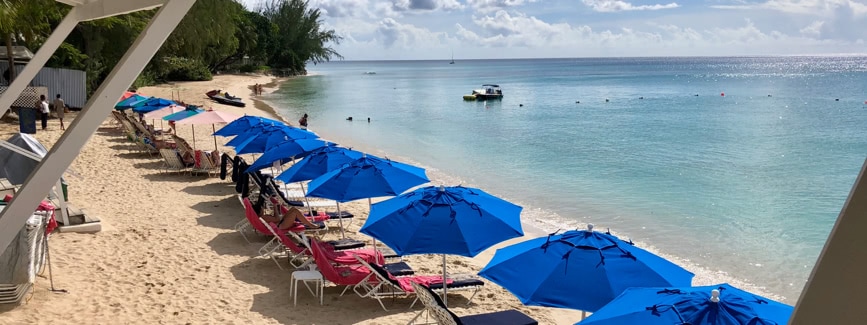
459,284
344,244
510,317
342,215
399,269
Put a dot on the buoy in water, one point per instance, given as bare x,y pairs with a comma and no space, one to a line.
722,94
837,100
579,102
520,105
606,100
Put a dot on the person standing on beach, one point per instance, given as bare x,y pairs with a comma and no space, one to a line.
303,121
60,110
42,106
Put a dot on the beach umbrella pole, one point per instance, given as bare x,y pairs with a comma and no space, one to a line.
370,205
194,137
445,284
214,128
306,201
340,221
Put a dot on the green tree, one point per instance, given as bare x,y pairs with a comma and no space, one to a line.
299,36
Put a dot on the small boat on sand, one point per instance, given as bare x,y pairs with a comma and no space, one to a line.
225,98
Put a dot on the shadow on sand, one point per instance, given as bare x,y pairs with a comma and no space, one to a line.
277,302
151,165
223,214
171,177
232,243
211,189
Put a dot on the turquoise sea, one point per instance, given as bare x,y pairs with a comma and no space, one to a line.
744,186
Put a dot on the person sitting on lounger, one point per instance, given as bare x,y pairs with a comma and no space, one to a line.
290,218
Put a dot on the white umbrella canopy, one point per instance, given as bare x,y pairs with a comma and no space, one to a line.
211,117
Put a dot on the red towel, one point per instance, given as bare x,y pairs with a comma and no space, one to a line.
425,280
44,206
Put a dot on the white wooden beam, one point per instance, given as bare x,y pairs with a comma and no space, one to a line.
32,68
61,155
107,8
834,293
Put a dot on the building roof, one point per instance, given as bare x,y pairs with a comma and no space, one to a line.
20,53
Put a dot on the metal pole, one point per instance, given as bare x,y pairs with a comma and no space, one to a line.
82,128
445,284
375,251
214,128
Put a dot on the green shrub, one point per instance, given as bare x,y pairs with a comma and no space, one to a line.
183,69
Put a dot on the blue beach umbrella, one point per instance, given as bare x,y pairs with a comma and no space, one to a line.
443,220
367,177
249,133
317,163
243,124
151,104
286,151
287,133
581,270
130,102
364,178
719,304
257,142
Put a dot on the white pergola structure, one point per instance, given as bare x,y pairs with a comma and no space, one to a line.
48,171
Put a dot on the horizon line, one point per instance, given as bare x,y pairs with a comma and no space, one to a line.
620,57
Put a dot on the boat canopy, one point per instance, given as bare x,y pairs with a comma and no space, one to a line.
490,85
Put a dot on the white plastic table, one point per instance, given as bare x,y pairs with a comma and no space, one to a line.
306,277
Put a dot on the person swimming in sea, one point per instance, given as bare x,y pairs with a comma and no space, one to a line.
303,121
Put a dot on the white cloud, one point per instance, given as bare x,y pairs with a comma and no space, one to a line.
519,33
814,29
617,5
425,5
486,6
814,7
395,34
504,29
341,8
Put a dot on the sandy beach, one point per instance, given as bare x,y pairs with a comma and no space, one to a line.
168,255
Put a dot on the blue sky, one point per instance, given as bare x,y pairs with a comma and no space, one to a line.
475,29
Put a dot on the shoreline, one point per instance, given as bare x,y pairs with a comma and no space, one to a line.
269,88
535,227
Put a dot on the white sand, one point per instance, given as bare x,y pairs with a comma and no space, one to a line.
168,255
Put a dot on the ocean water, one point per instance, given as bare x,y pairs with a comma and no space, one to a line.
746,185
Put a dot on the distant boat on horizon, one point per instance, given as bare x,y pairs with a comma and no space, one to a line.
453,58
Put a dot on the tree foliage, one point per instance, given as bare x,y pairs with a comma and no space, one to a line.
216,35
